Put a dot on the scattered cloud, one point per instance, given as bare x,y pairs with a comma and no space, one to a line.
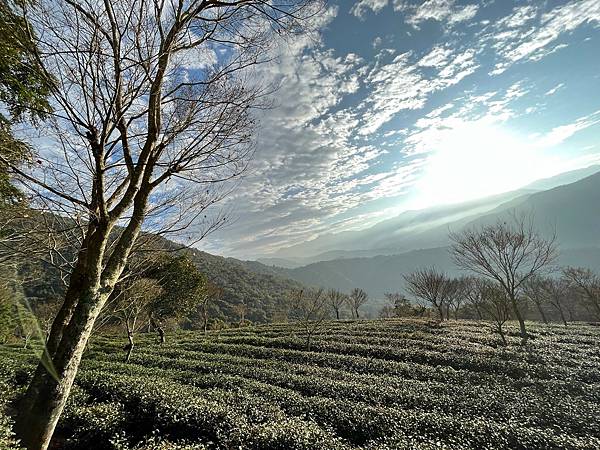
438,10
530,32
361,125
361,7
555,89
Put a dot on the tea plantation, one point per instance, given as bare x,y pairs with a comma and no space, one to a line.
393,384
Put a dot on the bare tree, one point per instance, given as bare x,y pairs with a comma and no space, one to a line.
209,293
456,296
153,117
241,309
309,308
337,300
533,288
508,253
474,294
355,300
431,286
132,305
588,285
556,293
497,307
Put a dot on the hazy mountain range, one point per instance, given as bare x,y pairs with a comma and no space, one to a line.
376,258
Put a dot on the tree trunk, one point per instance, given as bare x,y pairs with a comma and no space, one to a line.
161,334
51,390
501,333
129,347
441,312
44,399
542,313
337,314
562,314
205,318
523,329
478,311
90,286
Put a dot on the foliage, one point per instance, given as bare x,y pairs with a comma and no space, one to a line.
182,285
7,314
24,89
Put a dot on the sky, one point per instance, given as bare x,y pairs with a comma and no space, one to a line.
406,104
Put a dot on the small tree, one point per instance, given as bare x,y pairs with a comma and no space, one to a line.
456,296
241,309
588,284
474,294
508,253
497,307
208,294
431,286
309,308
533,288
556,292
336,300
356,299
132,304
182,285
399,305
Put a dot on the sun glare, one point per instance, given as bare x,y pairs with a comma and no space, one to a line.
475,160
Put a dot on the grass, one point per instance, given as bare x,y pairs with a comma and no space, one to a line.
393,384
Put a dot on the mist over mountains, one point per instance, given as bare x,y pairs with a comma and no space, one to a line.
376,258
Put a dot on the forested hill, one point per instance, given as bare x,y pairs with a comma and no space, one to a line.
256,285
262,289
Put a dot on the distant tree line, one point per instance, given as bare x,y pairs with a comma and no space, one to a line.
510,277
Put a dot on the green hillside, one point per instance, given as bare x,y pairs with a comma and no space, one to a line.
264,290
394,384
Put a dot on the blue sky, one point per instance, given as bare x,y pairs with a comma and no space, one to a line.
396,104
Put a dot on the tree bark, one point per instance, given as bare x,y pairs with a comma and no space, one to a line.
501,333
129,347
542,313
562,314
441,312
80,277
38,424
89,288
523,329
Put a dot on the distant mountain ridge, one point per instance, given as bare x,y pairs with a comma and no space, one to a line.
412,230
572,210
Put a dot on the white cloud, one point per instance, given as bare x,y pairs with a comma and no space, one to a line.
362,6
401,85
438,10
527,40
555,89
436,57
559,134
